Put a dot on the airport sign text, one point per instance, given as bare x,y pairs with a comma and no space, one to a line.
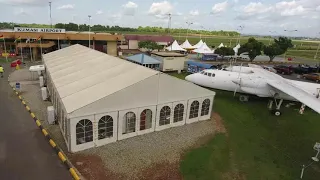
40,30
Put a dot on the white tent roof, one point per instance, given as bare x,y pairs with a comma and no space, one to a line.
198,45
175,47
186,45
221,45
203,49
81,75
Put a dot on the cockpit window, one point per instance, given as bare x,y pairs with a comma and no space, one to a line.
213,75
206,74
202,72
209,74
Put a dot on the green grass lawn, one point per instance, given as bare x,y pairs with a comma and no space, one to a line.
259,145
309,54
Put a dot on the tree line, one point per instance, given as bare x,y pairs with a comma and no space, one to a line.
102,28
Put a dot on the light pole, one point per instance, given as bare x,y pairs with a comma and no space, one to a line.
291,31
314,159
272,32
50,14
89,31
315,56
189,23
240,29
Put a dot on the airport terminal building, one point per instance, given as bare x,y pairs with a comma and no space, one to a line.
31,41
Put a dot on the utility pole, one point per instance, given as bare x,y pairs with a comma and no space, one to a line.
240,29
316,56
89,32
189,23
50,14
169,23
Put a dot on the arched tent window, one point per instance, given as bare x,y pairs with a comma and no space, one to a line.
129,120
194,109
165,113
178,113
105,127
145,119
84,132
205,107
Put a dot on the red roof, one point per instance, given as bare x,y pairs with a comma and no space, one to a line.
149,37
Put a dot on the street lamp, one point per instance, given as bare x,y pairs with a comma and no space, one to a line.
272,32
89,32
240,29
291,31
315,56
315,158
189,23
50,14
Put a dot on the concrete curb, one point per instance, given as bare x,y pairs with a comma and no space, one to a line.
55,147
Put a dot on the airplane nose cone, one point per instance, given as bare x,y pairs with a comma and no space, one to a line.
189,78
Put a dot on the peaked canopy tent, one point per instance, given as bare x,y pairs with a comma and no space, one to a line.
198,45
145,60
204,49
221,45
236,49
186,45
100,99
175,47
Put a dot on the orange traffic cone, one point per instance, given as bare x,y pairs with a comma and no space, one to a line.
17,67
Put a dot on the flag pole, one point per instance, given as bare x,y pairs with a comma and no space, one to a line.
21,50
5,49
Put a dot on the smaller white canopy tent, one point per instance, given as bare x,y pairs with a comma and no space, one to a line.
186,45
203,49
198,45
175,47
236,49
221,45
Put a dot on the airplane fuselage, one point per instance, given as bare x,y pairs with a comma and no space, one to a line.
247,83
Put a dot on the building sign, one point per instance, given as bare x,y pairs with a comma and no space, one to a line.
40,30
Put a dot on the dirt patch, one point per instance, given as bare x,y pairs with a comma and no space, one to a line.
218,122
161,171
92,167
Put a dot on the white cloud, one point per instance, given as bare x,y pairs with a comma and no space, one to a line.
318,8
161,8
194,13
129,8
291,8
67,6
220,7
256,8
99,12
24,2
21,12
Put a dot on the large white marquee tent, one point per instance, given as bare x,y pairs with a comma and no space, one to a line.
175,47
204,49
198,45
101,99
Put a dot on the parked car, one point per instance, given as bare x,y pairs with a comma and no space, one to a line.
301,69
282,69
312,76
271,69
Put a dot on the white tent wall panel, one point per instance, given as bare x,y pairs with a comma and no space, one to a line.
97,117
73,125
159,108
185,106
122,124
196,118
153,120
208,116
141,94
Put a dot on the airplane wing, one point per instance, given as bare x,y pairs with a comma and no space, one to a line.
281,84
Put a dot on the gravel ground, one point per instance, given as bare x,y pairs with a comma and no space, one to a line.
127,157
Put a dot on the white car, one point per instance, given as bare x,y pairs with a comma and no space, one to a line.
271,69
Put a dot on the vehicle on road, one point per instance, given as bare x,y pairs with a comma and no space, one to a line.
271,69
282,69
312,76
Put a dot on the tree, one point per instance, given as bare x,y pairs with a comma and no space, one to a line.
149,45
225,51
284,43
252,47
273,50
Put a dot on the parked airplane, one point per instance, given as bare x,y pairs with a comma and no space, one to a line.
257,81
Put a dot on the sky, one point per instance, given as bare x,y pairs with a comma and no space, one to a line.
264,17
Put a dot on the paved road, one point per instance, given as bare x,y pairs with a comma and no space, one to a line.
24,152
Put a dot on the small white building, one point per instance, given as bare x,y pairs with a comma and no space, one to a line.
170,61
101,99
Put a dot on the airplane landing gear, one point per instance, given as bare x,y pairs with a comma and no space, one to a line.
276,111
243,98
